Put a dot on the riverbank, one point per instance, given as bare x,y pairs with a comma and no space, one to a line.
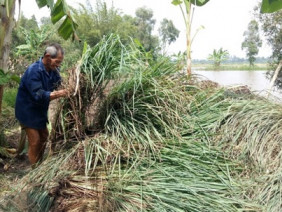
231,66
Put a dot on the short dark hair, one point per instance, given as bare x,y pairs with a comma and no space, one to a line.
53,50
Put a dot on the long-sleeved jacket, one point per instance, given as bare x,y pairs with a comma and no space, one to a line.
34,95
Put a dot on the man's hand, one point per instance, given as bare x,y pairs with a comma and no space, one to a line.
58,94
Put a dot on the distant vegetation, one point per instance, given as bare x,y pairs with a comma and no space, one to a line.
232,63
233,60
252,42
270,23
218,57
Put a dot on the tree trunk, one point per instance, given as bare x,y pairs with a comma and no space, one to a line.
188,37
1,97
275,76
7,12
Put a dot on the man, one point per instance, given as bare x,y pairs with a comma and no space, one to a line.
35,92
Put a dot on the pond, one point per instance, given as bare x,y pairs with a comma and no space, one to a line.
255,80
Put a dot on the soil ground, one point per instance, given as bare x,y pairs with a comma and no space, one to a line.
12,168
11,171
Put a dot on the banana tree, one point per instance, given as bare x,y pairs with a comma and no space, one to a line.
270,6
218,56
59,10
188,16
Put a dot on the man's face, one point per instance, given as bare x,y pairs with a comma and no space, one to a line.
54,63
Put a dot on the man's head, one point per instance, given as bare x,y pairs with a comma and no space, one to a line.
53,56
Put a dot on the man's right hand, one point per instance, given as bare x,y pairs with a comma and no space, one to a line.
58,94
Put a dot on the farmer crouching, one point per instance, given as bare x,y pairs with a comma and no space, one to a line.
35,92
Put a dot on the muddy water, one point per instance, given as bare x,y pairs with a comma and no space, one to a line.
255,80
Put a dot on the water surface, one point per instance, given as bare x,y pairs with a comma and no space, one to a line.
255,80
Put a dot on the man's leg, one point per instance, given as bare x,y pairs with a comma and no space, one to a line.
44,133
36,144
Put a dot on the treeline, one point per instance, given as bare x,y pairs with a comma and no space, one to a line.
94,21
232,60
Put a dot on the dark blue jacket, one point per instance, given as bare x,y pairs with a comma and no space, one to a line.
34,95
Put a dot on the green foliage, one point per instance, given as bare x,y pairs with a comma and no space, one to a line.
58,11
218,56
168,32
187,178
195,2
19,38
9,97
6,77
93,24
145,24
270,6
271,27
34,43
17,34
30,44
252,41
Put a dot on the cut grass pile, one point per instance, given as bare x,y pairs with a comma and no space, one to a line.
136,137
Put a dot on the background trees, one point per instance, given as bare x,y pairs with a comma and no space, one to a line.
145,24
252,41
94,23
271,24
168,33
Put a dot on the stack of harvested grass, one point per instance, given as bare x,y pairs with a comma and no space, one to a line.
252,133
249,130
149,146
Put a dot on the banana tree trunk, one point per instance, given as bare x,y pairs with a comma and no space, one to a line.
188,36
7,11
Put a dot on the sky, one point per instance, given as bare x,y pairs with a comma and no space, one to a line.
224,23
